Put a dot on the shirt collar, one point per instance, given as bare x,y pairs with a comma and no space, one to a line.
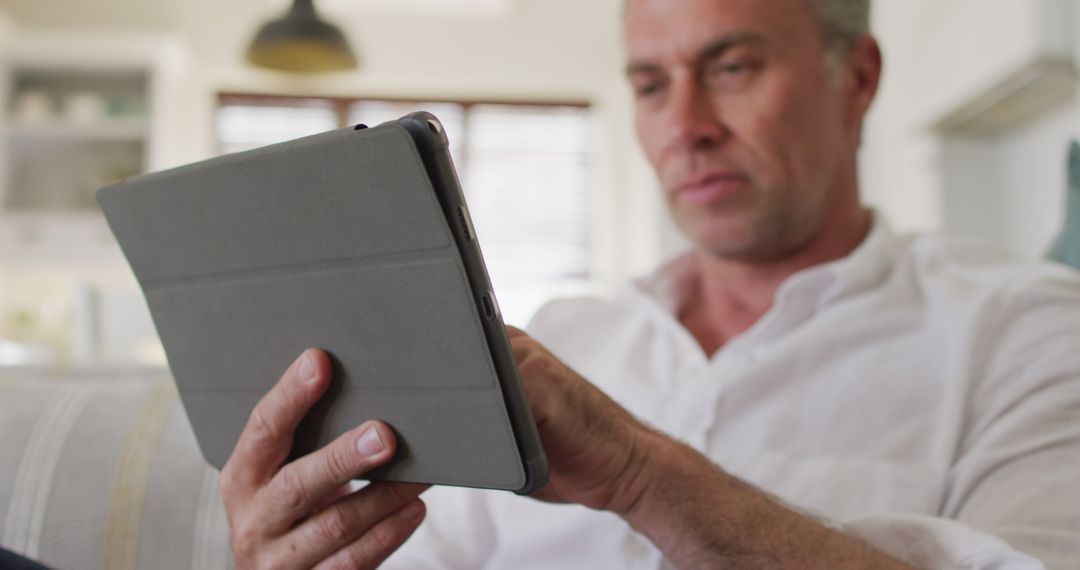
869,263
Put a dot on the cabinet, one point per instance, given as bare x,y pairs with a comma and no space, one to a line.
71,132
78,111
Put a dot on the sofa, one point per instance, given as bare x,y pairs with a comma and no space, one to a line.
101,470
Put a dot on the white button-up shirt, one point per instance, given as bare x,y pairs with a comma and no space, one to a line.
920,396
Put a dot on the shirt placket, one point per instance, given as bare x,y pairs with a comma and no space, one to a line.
698,387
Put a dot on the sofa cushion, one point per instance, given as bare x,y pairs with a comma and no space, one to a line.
105,472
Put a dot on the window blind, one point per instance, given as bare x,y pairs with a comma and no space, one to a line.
526,171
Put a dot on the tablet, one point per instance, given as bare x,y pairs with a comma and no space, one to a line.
356,241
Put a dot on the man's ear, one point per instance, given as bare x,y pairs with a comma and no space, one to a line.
863,71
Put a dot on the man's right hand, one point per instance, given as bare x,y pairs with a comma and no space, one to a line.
303,514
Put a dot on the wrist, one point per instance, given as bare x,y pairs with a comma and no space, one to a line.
669,473
692,510
699,515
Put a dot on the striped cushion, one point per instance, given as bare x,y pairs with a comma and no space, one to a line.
105,473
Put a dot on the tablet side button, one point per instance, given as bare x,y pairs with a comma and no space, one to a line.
490,308
466,223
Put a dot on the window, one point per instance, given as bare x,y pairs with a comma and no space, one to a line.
526,171
248,125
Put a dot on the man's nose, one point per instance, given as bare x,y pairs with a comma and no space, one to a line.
694,119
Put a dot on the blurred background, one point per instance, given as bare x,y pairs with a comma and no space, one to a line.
968,136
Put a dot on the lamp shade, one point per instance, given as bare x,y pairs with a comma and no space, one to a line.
301,42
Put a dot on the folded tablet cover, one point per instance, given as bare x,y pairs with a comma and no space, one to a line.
335,241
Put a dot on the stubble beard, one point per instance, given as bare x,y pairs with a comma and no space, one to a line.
771,228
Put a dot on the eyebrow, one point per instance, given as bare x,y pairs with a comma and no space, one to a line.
709,51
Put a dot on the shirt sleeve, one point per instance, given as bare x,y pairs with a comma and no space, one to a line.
1013,496
941,544
456,533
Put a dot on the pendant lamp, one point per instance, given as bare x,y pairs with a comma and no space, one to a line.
301,42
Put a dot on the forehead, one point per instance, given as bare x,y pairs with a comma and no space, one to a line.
661,30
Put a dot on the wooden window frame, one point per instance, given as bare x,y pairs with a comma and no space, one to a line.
341,105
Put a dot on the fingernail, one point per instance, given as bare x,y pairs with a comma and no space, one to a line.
368,443
306,370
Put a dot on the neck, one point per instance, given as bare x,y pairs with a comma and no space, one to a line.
729,296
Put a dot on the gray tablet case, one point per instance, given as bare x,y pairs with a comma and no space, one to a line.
355,241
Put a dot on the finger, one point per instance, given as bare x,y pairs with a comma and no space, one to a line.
301,486
514,332
339,493
345,522
521,346
375,546
267,438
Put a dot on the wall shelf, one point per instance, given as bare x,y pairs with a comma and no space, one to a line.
60,131
1016,64
79,111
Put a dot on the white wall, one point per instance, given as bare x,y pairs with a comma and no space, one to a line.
1034,179
1009,189
897,164
5,26
968,133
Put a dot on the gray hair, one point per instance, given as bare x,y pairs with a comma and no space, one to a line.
842,22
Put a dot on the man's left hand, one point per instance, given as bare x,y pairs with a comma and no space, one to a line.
602,457
596,450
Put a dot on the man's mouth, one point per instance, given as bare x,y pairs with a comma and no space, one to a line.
710,188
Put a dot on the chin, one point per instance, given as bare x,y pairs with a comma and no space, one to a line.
726,240
734,237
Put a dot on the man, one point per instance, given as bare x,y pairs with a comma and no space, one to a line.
912,406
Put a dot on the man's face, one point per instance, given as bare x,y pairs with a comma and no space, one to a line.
745,121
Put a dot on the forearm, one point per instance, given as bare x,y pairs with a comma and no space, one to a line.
701,517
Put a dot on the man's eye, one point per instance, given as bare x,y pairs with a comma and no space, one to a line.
647,88
732,68
730,71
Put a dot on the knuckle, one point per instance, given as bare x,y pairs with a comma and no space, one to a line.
534,364
333,525
230,486
387,494
226,484
339,462
245,542
348,559
384,538
287,489
262,429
